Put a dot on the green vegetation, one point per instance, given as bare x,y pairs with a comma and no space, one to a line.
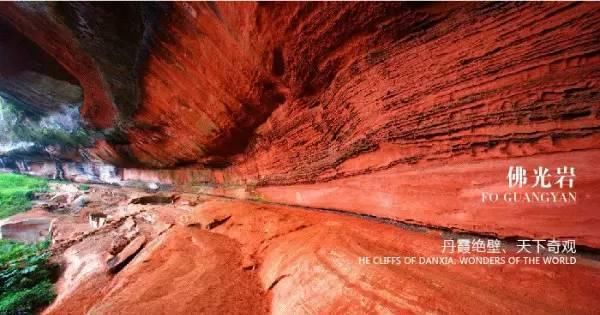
16,192
25,277
84,187
25,273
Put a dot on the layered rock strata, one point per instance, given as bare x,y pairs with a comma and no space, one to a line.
395,110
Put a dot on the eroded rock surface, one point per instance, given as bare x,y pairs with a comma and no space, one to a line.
390,110
333,99
203,254
323,83
282,260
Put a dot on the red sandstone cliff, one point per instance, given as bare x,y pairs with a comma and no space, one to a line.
398,110
386,111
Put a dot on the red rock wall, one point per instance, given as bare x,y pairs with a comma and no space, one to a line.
59,42
445,196
398,110
410,122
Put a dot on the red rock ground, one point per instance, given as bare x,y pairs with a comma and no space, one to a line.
237,257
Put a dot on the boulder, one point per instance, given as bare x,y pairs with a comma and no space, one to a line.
153,199
61,198
80,202
117,262
152,187
29,230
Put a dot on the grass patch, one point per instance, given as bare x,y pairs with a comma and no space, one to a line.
25,277
84,187
16,192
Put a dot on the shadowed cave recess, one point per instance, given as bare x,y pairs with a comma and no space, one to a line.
253,152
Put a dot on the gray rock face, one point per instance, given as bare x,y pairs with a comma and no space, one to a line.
80,202
33,79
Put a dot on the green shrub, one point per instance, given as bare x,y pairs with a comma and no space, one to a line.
25,277
16,192
84,187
